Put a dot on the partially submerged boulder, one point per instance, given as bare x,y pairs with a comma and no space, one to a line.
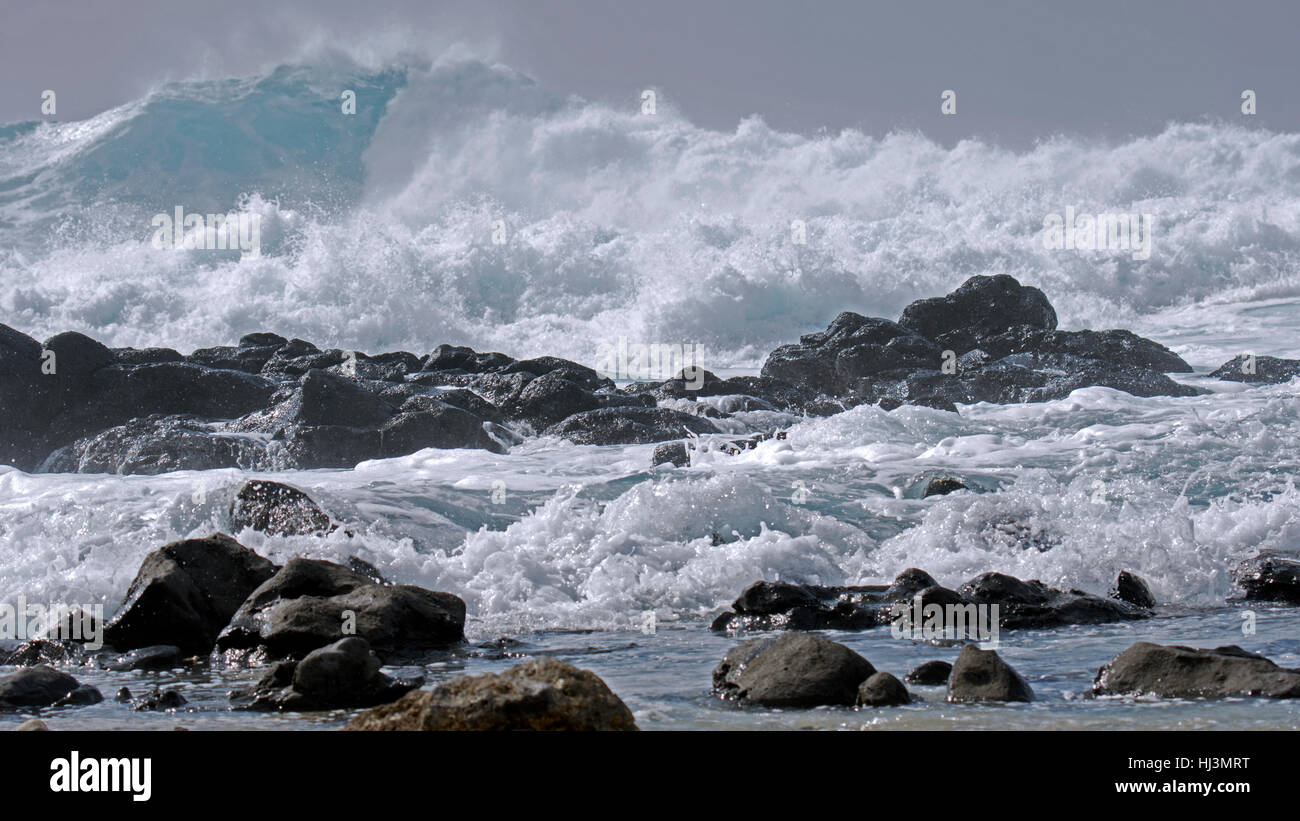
311,603
883,689
1187,672
982,675
540,694
40,686
342,674
792,670
185,593
277,509
1258,370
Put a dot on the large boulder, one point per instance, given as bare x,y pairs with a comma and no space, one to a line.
342,674
1188,672
541,694
793,670
983,306
851,349
27,399
280,510
185,593
310,603
982,675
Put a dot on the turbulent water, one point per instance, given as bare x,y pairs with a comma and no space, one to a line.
377,234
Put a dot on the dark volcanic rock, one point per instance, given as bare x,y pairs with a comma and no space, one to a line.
38,686
41,651
1021,605
981,675
541,694
306,606
629,426
82,696
883,690
1130,587
851,348
1262,370
671,453
983,306
1270,578
156,444
1187,672
792,670
1116,347
158,657
443,426
342,674
185,593
280,510
942,486
931,673
1034,605
160,700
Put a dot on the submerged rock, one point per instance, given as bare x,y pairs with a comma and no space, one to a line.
541,694
671,453
38,686
931,673
982,675
185,592
160,700
792,670
280,510
629,426
311,603
342,674
1187,672
883,690
942,486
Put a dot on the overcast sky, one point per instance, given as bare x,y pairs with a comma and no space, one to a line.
1021,70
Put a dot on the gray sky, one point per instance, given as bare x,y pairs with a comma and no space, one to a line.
1021,70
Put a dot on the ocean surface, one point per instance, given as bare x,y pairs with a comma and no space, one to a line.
377,234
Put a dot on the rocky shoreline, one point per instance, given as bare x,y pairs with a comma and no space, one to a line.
318,633
71,404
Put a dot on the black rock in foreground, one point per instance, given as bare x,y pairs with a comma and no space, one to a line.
542,694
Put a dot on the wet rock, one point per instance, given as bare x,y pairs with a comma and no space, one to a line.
342,674
145,356
1034,605
306,605
365,568
1117,347
27,400
158,657
931,673
42,651
671,453
629,426
1259,370
329,399
84,695
1130,587
1269,577
540,694
981,675
852,348
551,398
160,700
943,485
466,360
792,670
38,686
123,695
437,427
185,593
883,690
1187,672
983,306
156,444
281,510
32,725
